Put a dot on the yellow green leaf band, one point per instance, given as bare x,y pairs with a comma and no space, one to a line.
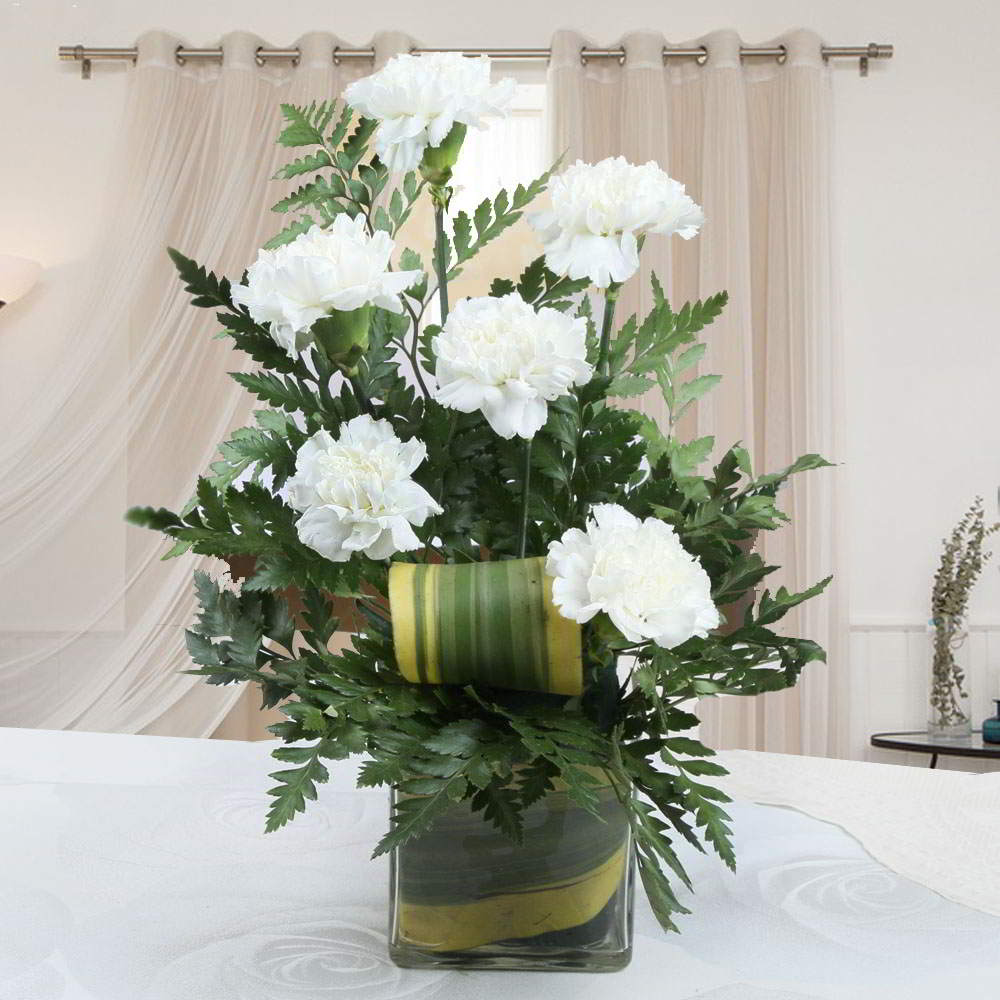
492,622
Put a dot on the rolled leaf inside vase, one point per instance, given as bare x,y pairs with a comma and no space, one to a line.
464,893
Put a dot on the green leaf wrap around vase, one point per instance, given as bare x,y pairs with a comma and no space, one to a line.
492,622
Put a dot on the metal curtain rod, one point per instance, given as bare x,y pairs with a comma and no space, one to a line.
863,53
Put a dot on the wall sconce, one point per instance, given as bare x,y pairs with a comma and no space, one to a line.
17,275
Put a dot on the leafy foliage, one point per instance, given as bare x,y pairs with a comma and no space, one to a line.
489,221
498,751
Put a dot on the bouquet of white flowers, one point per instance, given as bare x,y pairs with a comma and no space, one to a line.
538,573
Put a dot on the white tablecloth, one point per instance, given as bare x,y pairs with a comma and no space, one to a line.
939,828
134,868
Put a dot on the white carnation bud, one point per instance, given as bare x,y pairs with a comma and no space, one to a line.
418,100
500,356
599,210
635,571
356,493
340,269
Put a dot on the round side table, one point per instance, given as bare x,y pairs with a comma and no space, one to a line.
920,741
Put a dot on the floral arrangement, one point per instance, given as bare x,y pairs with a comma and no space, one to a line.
397,446
963,559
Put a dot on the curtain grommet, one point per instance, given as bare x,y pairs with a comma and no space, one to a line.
703,58
336,55
258,58
181,61
583,55
783,57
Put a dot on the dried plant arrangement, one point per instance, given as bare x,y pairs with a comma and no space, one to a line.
962,562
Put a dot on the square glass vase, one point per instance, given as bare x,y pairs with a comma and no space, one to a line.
464,896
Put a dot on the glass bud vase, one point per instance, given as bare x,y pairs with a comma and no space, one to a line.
462,895
950,715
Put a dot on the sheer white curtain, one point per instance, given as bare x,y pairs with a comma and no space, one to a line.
91,628
751,140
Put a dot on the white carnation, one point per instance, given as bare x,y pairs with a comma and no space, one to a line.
599,209
635,571
500,356
341,268
356,493
417,100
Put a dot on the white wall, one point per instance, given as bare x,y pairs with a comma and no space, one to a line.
918,154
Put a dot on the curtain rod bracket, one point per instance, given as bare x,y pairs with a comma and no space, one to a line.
872,53
81,58
263,54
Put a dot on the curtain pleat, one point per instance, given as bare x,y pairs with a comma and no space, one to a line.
752,143
141,398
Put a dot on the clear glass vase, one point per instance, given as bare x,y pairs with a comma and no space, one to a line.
463,895
950,714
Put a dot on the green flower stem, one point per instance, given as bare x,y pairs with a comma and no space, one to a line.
525,491
440,250
364,401
610,301
410,350
440,492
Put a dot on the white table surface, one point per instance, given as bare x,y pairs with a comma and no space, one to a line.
134,868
